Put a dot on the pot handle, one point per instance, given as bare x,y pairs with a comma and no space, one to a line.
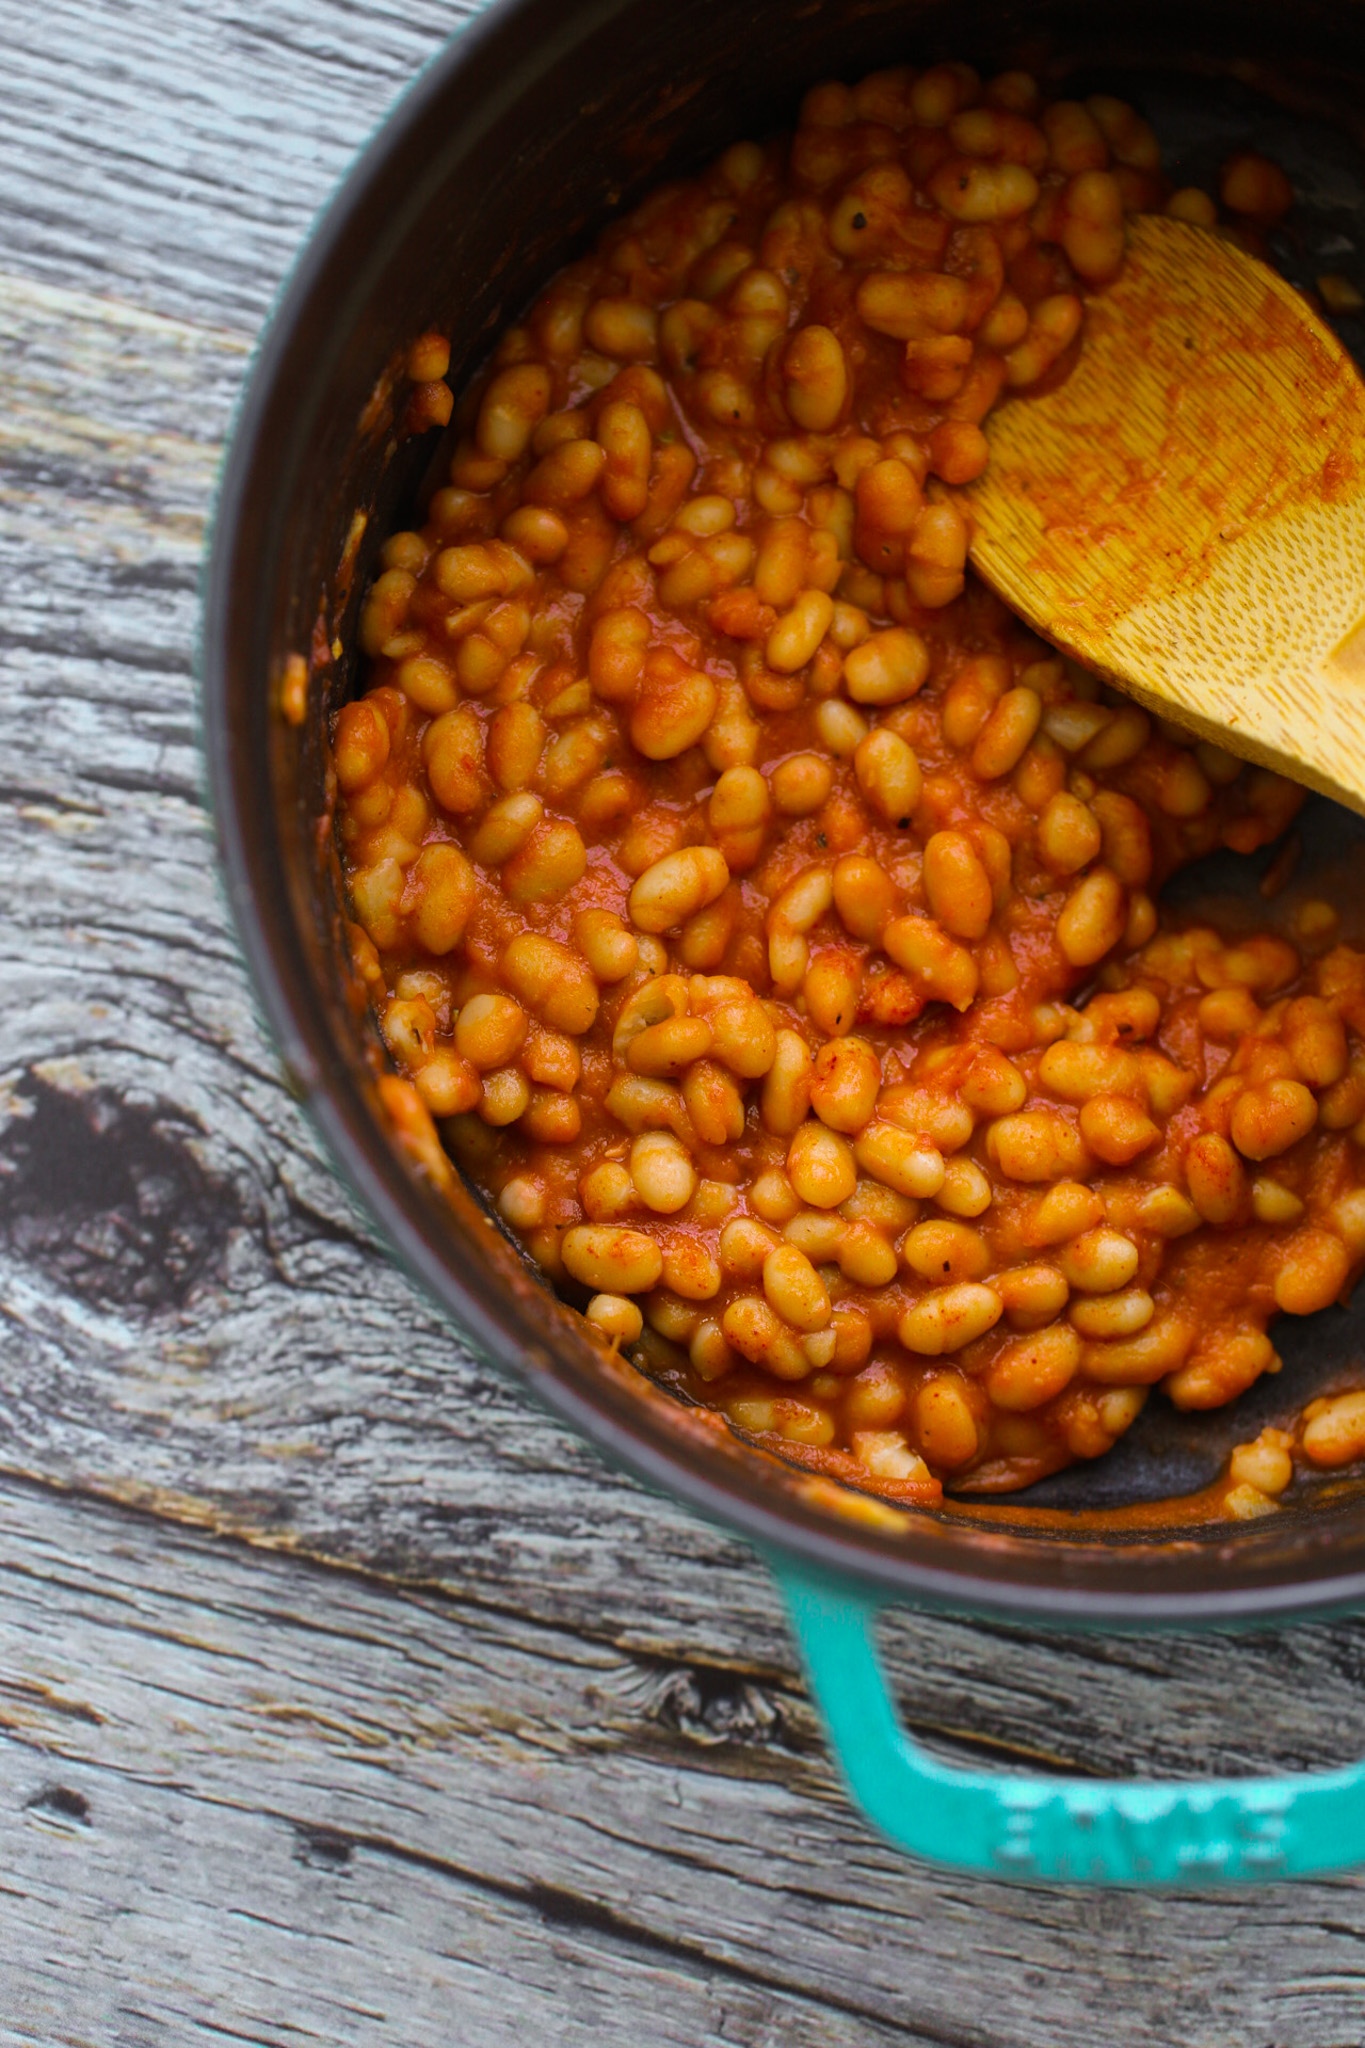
1073,1830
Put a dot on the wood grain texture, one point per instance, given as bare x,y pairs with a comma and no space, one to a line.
467,1739
241,1798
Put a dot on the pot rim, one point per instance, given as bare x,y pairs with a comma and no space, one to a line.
408,1218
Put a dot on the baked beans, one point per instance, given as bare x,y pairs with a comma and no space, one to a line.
762,915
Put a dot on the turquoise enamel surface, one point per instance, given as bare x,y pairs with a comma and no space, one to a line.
1051,1829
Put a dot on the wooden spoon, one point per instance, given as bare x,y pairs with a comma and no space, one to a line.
1185,513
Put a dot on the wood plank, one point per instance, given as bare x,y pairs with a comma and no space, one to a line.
196,1318
580,1794
242,1799
177,160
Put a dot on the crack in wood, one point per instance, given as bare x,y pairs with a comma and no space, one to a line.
62,1801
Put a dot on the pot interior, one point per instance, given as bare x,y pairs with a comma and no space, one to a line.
500,165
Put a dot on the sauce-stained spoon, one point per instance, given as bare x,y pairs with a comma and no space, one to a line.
1186,512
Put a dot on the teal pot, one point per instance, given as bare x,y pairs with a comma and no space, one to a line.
501,162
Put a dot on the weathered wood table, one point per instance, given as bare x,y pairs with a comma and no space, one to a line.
343,1697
